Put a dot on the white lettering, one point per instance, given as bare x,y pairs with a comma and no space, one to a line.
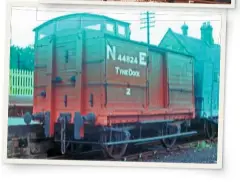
117,69
128,60
142,60
119,58
112,54
124,72
128,91
111,51
123,58
131,72
135,60
127,72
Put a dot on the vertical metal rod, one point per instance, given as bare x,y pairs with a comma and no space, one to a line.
110,137
140,131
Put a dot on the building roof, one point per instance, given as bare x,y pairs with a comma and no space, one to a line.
80,15
196,47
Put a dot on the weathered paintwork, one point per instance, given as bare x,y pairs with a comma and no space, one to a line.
206,67
119,80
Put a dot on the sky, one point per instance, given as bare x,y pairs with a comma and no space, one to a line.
24,20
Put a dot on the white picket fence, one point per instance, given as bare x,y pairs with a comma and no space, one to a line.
21,82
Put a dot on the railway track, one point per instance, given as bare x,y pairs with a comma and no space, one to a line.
87,155
155,152
134,154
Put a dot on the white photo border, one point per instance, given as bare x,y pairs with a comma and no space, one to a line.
218,165
138,4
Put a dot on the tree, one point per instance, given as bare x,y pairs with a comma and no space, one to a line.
22,58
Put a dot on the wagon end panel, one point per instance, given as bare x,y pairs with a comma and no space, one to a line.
67,74
126,76
180,81
42,97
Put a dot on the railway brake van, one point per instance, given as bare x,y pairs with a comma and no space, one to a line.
95,86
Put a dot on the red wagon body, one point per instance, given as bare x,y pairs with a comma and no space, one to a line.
120,81
90,78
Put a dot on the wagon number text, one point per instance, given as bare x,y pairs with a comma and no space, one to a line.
140,59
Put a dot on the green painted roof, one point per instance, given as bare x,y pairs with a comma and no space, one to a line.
196,47
80,15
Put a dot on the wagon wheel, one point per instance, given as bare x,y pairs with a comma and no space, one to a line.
210,129
115,151
170,130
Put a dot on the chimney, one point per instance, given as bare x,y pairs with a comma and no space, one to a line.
206,33
184,29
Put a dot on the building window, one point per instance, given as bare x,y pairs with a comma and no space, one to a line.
110,27
121,30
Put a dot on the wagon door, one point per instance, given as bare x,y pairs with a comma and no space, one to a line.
67,72
180,81
156,81
126,73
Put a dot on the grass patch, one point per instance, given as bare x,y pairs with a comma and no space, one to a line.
202,145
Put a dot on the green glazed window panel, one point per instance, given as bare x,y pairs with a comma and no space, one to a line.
91,21
94,27
121,30
110,27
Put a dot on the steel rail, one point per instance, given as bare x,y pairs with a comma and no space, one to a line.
145,140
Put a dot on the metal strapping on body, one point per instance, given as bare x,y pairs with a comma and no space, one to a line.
155,121
47,123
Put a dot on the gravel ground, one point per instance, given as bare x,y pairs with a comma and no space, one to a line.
191,155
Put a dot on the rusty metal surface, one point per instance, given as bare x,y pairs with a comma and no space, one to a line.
180,80
122,79
119,80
